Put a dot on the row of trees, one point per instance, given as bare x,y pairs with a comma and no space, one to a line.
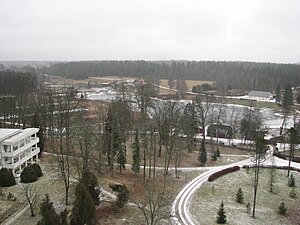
243,75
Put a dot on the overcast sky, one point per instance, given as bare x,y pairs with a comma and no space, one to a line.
252,30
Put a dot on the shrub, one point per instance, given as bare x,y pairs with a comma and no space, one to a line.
248,207
214,156
291,181
6,178
90,181
239,196
37,169
222,172
123,194
28,175
282,208
293,193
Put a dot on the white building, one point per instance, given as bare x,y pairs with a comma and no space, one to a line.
261,95
18,148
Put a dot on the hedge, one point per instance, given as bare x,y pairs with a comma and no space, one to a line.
222,172
282,156
6,178
28,175
37,169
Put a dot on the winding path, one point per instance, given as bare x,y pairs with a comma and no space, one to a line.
180,208
180,211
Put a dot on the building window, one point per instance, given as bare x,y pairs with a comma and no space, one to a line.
22,143
15,147
6,148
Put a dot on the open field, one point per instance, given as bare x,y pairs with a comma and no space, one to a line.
189,83
206,201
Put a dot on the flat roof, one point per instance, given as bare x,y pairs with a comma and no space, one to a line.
16,134
6,133
260,94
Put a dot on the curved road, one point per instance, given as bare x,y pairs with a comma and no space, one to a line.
180,211
180,207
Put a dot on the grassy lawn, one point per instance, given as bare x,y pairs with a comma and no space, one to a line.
206,201
106,212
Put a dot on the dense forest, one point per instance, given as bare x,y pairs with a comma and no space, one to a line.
17,82
242,75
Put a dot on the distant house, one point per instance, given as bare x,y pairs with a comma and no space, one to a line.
262,95
219,130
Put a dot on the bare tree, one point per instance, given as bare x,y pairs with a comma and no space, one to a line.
203,105
156,205
65,107
86,138
260,151
31,195
294,141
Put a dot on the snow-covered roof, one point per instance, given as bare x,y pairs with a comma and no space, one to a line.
13,135
6,133
260,94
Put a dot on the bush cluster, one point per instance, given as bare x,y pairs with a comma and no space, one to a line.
31,173
6,178
223,172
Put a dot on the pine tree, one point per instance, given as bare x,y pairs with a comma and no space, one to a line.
83,211
214,156
278,94
136,154
203,155
248,207
218,152
282,208
121,157
90,181
239,196
221,216
291,181
47,211
287,100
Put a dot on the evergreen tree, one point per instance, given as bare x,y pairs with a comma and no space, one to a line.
298,98
239,197
83,211
278,94
287,100
121,157
136,154
203,155
214,156
282,208
248,207
90,181
221,216
293,193
291,181
48,214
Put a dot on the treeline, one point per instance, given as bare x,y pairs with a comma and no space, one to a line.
242,75
17,82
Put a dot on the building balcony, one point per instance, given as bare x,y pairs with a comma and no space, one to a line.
34,152
33,142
